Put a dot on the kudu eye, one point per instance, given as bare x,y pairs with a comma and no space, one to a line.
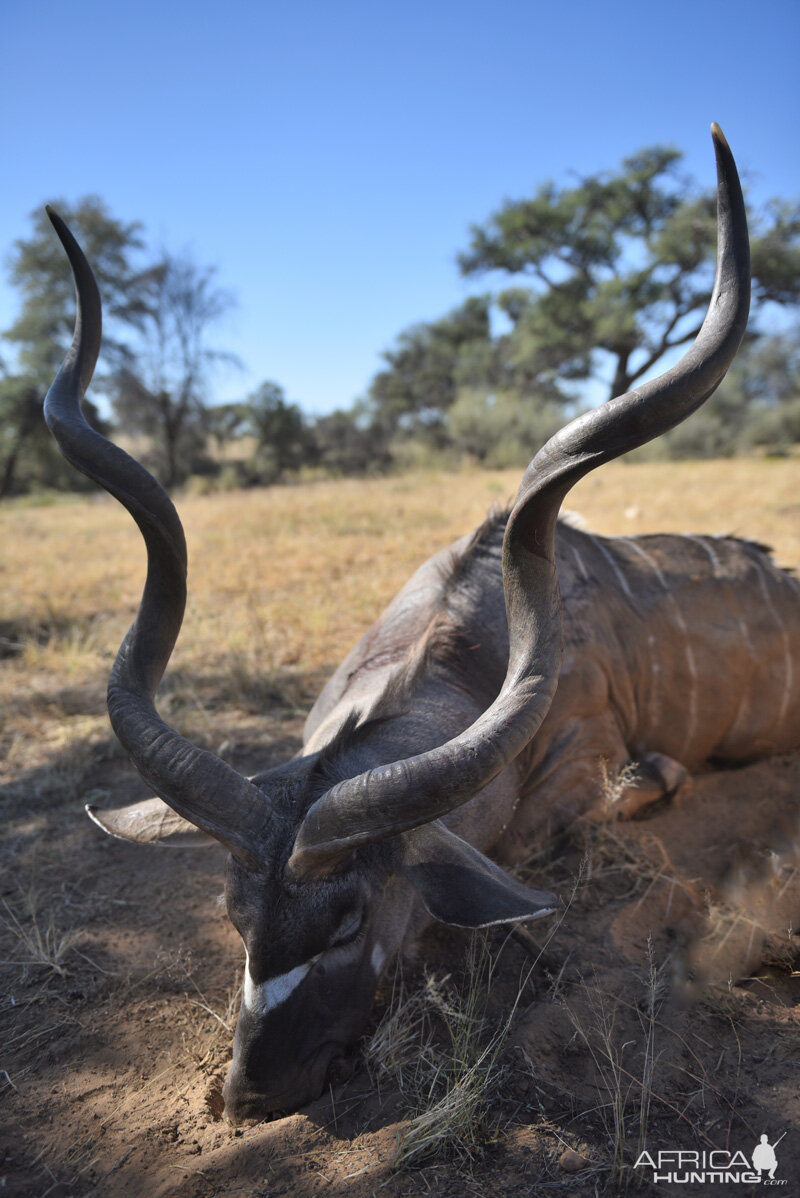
348,928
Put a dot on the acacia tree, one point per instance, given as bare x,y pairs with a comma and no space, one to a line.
43,329
621,267
162,392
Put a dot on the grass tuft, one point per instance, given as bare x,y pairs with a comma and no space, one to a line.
627,1085
45,945
436,1046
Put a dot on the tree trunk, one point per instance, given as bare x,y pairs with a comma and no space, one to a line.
29,416
621,382
171,433
10,466
171,452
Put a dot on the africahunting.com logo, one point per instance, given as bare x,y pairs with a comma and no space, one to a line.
680,1167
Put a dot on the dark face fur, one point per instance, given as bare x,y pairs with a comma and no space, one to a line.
313,960
316,946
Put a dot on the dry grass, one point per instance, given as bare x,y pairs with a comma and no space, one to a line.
438,1046
628,1094
39,939
435,1044
265,563
283,580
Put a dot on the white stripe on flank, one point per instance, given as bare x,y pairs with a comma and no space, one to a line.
622,579
260,997
704,545
580,562
743,709
744,703
787,689
654,705
690,662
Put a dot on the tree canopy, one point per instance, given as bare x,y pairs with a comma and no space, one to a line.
621,266
283,437
43,330
155,358
599,282
162,391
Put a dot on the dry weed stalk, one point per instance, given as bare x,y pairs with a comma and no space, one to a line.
44,943
629,1096
449,1091
209,1025
455,1087
401,1044
613,786
648,1018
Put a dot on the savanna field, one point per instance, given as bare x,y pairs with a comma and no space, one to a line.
121,971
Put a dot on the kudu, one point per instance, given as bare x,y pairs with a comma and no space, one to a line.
426,739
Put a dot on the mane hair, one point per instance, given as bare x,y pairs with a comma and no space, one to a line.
442,643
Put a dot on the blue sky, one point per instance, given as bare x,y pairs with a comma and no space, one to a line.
329,158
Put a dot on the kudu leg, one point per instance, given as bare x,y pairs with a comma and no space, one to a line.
588,773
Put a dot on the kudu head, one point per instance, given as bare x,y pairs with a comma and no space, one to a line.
325,870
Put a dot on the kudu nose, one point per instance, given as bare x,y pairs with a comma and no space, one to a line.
242,1102
243,1099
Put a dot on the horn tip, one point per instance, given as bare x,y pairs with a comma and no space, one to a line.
58,223
719,136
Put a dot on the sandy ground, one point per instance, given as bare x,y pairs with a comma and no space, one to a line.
113,1054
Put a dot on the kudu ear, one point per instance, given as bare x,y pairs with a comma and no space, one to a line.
459,886
150,822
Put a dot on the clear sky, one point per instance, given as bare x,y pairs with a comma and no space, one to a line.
329,158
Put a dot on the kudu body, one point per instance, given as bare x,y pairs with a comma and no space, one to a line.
422,745
678,650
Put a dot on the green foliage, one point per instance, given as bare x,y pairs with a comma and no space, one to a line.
29,458
421,382
284,439
776,254
155,361
620,264
458,390
622,267
43,330
756,407
503,428
610,276
349,443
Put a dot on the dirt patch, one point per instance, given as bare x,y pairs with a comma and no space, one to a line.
662,1012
